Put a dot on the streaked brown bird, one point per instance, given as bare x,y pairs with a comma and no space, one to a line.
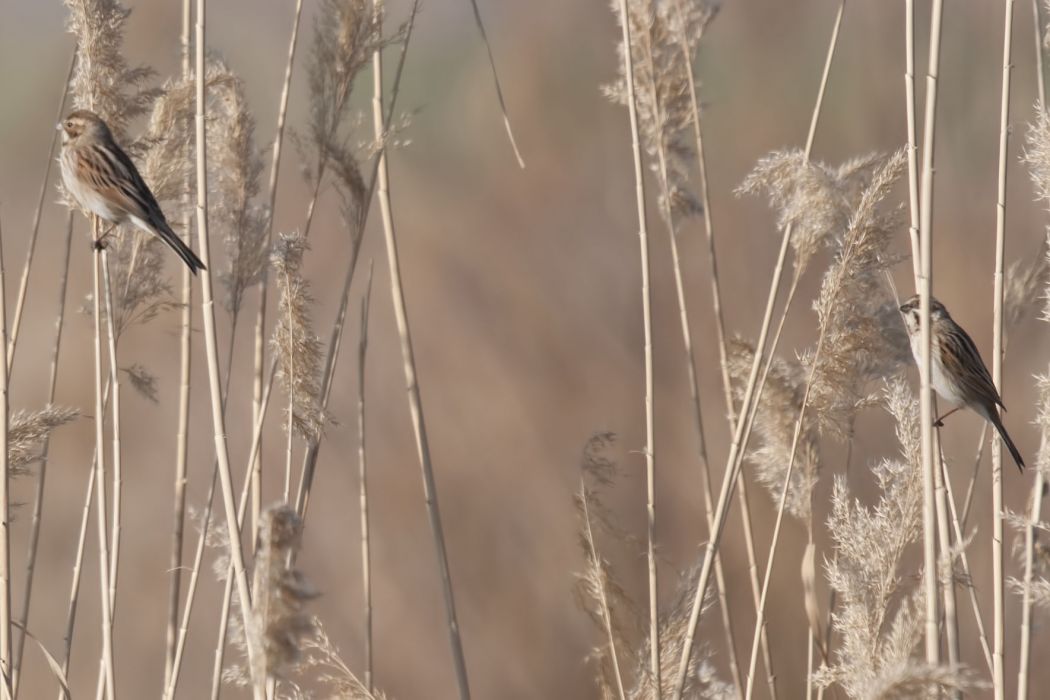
102,179
957,372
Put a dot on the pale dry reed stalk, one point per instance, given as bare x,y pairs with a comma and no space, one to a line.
339,54
947,557
223,566
496,83
998,576
38,497
664,118
342,44
103,82
115,423
107,677
599,593
5,499
233,171
271,201
733,461
211,346
23,285
958,551
627,72
74,592
356,205
408,357
182,430
697,15
362,476
925,285
612,611
913,148
228,577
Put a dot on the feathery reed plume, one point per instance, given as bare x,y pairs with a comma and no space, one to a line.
237,167
354,209
280,592
701,680
1025,279
864,338
322,657
102,80
233,171
879,623
1036,156
599,594
28,429
812,198
297,348
597,590
662,98
344,41
142,381
687,21
864,241
775,423
339,53
1034,583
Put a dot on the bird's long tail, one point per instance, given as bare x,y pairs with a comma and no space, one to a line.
162,229
995,420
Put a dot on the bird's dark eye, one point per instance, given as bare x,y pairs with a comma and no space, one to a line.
69,124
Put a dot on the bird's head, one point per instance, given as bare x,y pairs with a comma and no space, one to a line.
82,124
911,311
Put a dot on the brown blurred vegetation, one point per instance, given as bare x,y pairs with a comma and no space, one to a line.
522,288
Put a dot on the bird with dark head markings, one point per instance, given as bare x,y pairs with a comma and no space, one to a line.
957,372
103,180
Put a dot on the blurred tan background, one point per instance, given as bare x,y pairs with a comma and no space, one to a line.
523,294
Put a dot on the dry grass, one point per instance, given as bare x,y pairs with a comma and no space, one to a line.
807,395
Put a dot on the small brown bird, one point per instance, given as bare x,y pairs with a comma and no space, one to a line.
102,179
957,372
